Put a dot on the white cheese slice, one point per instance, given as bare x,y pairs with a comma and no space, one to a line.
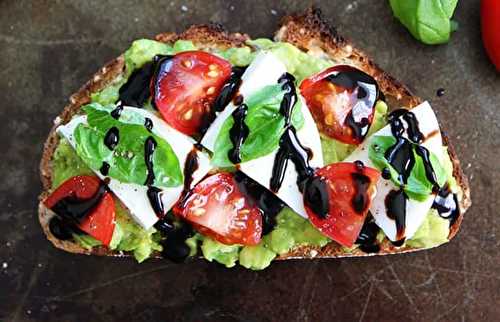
260,169
415,210
134,196
264,70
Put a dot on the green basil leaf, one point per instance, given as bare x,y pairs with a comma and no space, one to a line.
427,20
418,187
439,170
127,161
265,124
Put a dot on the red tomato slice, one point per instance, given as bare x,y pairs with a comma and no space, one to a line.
341,99
185,87
349,189
100,223
217,208
490,29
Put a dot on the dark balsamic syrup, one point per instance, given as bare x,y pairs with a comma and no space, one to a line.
402,159
148,124
162,66
104,170
367,239
135,92
267,202
112,138
229,89
154,197
149,148
238,133
316,196
61,229
446,204
367,92
290,147
74,210
117,112
174,245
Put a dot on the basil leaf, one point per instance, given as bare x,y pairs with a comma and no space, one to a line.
127,160
376,153
265,124
418,187
427,20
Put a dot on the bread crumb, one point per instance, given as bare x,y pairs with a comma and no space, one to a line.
184,8
5,265
274,12
57,120
313,253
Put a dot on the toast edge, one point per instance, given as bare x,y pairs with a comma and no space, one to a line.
311,33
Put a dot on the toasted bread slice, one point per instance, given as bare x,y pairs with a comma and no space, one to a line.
308,32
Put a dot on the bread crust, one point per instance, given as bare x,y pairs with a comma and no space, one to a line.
310,33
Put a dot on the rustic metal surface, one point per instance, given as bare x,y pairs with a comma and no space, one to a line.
48,49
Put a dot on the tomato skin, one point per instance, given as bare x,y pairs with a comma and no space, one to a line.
345,217
341,99
100,223
217,208
185,87
490,29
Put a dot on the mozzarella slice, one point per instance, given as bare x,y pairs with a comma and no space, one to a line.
134,196
264,70
260,169
415,210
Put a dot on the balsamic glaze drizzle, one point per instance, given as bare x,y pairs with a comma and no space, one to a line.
148,124
446,204
367,238
238,133
162,66
104,170
74,210
316,196
149,148
154,197
402,159
367,93
267,202
290,147
117,112
135,92
112,138
229,89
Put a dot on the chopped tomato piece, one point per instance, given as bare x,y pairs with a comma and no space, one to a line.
185,87
99,222
217,208
341,99
338,197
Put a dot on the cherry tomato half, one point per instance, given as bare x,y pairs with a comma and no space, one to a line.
100,222
185,87
217,208
341,99
343,191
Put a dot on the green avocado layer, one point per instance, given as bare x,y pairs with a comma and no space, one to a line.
291,229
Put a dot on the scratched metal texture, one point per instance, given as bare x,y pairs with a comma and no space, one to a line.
49,48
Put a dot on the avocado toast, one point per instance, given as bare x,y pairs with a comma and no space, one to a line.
305,47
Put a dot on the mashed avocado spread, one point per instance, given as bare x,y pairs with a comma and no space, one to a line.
291,229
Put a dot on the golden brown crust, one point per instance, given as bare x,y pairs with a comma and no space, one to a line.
310,33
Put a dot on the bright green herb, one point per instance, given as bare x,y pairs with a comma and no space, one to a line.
418,186
265,124
427,20
127,160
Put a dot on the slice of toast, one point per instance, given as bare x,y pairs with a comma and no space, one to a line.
310,33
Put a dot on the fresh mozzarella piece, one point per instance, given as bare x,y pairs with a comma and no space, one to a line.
260,169
134,196
264,70
415,210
